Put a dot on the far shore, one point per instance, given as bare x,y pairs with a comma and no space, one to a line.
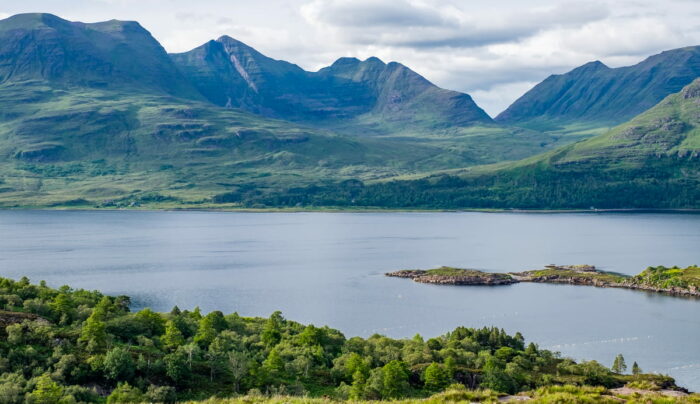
172,208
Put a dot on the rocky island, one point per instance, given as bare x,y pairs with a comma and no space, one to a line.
455,276
675,281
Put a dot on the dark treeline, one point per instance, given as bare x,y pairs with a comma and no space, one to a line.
66,346
662,183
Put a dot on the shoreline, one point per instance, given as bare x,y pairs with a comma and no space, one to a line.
353,210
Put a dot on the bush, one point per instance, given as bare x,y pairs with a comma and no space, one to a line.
125,394
161,394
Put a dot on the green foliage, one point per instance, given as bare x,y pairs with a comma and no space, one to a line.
183,354
619,366
394,379
47,392
125,394
118,364
636,370
436,377
666,278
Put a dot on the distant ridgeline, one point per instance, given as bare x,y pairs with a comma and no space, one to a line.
100,115
66,346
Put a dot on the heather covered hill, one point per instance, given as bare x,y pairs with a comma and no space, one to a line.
595,93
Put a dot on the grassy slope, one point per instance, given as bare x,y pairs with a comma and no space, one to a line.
60,146
650,162
598,275
663,277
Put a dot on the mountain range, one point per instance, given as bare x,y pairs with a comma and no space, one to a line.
100,114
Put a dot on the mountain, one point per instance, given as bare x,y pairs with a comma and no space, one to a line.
599,94
230,73
652,161
100,115
112,54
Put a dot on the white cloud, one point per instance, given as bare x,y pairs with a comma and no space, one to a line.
497,97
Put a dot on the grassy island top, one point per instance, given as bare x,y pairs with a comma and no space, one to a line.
574,272
663,277
68,346
451,271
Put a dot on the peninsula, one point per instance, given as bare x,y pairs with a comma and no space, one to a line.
675,281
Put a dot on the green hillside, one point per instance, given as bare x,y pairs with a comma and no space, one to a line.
653,161
595,95
100,115
83,147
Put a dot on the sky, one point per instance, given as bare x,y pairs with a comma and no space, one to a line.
494,50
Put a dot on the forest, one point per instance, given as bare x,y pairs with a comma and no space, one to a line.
66,346
655,184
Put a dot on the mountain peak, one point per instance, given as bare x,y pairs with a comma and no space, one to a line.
230,41
40,46
346,60
374,60
31,21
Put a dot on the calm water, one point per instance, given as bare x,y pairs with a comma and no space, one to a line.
327,269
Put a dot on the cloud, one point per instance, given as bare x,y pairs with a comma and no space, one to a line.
628,36
498,97
440,24
363,13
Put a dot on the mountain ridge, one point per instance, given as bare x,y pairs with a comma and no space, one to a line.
349,88
113,53
595,92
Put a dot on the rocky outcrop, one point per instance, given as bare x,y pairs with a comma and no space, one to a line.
467,278
11,317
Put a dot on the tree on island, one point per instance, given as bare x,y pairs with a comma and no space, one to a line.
636,370
619,366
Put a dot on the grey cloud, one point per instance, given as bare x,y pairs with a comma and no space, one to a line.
399,13
401,23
